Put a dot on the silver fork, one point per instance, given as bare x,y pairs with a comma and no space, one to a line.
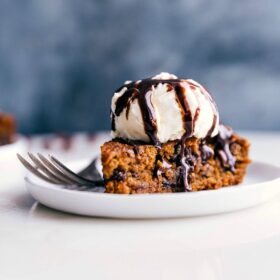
53,171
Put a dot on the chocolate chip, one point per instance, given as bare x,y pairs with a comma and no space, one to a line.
118,175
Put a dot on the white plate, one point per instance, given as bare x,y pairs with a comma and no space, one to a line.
261,184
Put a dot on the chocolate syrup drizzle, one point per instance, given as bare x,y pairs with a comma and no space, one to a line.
223,142
186,160
141,90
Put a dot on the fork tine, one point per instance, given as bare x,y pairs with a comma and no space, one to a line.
33,170
69,172
55,168
40,165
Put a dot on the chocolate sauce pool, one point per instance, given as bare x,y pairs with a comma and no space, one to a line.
223,141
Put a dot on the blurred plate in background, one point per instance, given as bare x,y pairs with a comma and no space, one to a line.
9,164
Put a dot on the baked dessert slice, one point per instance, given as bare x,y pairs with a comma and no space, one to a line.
130,168
7,128
167,138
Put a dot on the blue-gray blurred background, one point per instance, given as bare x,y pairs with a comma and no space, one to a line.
61,60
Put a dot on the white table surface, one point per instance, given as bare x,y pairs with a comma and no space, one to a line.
40,243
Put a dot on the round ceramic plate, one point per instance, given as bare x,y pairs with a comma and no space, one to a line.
261,184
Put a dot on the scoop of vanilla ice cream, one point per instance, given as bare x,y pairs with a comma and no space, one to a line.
167,112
